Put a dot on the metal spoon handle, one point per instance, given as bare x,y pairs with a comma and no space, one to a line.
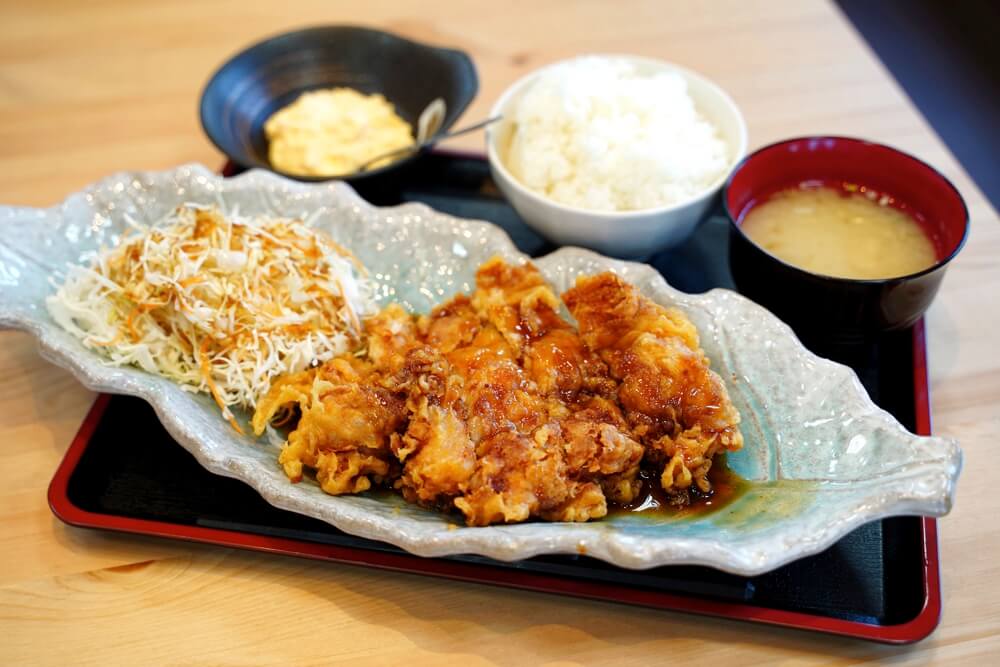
413,148
465,130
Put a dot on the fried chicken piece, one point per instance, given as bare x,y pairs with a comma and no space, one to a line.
496,395
478,393
598,447
673,402
437,455
392,333
349,413
345,425
522,306
496,406
500,466
555,474
517,301
584,501
451,325
536,402
516,477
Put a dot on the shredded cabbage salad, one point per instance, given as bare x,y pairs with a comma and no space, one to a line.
219,303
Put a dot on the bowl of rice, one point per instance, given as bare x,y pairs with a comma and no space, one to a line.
621,154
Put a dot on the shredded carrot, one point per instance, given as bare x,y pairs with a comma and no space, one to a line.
269,290
206,374
130,322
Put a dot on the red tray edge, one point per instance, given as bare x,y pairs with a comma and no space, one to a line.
917,628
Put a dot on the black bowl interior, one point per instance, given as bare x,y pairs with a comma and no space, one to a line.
255,83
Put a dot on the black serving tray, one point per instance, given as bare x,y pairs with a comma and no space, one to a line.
879,582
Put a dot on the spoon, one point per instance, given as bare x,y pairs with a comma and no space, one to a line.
428,142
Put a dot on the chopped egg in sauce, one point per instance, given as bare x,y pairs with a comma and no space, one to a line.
334,132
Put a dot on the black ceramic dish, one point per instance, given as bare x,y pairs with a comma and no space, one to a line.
825,307
255,83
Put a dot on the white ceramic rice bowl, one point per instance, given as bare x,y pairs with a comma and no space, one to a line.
628,234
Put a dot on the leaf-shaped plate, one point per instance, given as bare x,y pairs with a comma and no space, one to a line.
822,457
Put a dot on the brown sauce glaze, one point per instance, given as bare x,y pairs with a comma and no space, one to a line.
652,500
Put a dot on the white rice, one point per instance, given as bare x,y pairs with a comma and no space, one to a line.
595,133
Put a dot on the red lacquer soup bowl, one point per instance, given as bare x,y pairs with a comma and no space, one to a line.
833,308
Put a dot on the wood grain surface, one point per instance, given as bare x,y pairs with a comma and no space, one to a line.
87,89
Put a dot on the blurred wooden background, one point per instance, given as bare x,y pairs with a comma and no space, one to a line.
87,89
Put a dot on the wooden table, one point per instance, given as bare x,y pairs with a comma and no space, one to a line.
91,88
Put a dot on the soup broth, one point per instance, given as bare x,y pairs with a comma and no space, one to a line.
839,233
